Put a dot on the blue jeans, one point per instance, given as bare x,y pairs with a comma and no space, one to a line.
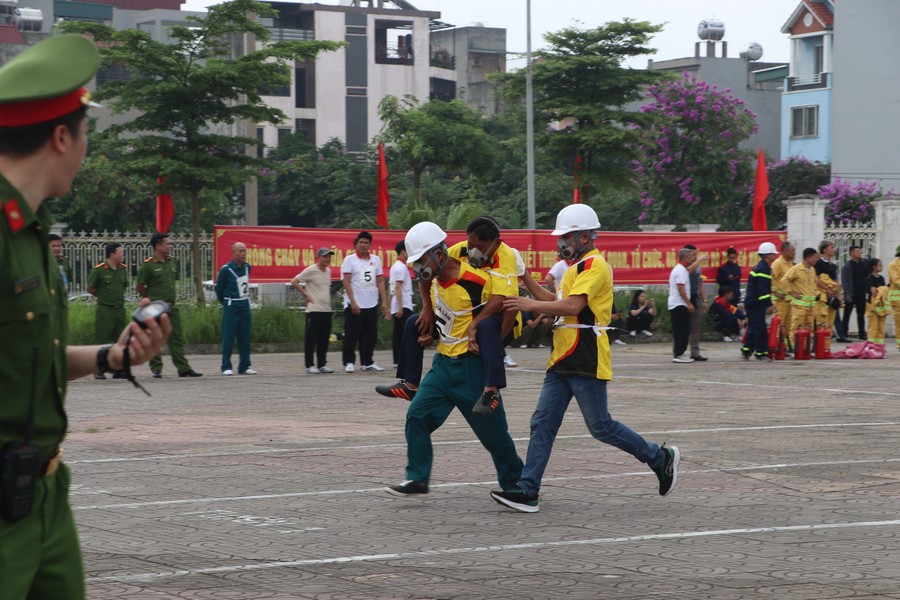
547,418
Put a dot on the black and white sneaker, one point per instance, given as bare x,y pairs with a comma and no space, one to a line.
408,489
486,404
519,500
668,471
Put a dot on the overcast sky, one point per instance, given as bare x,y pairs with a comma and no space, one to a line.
745,21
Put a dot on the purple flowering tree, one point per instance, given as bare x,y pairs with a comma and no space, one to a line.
690,167
849,201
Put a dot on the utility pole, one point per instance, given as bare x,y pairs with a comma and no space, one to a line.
251,189
529,119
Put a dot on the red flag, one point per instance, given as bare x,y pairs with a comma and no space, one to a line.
760,193
576,197
384,198
165,210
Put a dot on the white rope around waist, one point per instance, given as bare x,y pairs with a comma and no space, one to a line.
598,329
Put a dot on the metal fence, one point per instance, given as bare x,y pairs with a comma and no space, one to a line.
84,250
849,234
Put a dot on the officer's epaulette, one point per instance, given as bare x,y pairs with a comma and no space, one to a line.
103,264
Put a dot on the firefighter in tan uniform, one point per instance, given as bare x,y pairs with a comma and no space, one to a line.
780,267
894,293
829,294
800,284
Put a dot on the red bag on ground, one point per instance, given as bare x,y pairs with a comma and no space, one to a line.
862,350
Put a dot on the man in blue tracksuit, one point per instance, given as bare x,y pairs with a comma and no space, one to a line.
758,302
233,291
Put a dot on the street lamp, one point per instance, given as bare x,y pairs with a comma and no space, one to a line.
529,118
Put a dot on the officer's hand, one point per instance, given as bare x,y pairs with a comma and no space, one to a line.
144,344
425,322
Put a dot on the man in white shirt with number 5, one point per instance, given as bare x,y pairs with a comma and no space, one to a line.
363,279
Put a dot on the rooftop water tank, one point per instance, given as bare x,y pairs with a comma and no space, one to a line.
710,29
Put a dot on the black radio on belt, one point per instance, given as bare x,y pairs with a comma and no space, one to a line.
21,469
21,465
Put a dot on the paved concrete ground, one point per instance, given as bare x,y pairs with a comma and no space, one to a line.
271,486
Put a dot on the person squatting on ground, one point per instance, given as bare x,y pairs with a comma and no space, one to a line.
780,296
680,305
726,318
729,275
157,280
894,293
401,298
758,302
233,292
641,313
363,279
485,251
107,283
43,140
314,284
580,364
457,375
800,284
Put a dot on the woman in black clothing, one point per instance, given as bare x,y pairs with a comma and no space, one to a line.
641,314
875,279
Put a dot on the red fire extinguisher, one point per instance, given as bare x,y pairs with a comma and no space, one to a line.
774,335
823,343
801,343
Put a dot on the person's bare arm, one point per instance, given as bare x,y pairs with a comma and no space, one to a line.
348,288
536,289
570,306
143,345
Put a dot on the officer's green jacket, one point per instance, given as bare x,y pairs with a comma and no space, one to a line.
32,316
109,283
160,277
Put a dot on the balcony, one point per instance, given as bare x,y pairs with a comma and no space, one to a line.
443,60
393,54
808,82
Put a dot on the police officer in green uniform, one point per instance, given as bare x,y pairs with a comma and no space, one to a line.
43,139
156,281
108,282
65,269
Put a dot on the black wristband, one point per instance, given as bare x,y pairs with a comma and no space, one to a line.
103,359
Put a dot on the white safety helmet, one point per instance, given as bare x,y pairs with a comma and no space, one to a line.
421,238
767,248
576,217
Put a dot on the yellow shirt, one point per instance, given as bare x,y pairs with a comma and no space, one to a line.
502,269
583,351
801,279
894,278
455,304
779,268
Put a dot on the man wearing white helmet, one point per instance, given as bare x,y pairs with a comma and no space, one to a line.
457,375
580,364
758,302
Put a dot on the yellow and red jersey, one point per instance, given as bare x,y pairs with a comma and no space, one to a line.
456,303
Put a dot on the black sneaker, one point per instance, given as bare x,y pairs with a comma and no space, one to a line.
156,374
408,489
119,376
745,353
397,390
190,373
486,404
668,472
99,376
519,500
700,358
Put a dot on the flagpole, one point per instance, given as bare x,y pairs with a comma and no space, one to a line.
529,118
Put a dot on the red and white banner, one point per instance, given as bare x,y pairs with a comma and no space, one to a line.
279,253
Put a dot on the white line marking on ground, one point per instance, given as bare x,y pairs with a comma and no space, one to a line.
478,483
681,535
92,461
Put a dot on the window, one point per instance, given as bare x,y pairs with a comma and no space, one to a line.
393,43
820,59
282,133
261,146
305,85
306,128
805,121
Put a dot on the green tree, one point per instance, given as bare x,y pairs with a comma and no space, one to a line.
186,96
691,167
793,176
581,89
437,134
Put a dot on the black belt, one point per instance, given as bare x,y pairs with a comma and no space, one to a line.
112,305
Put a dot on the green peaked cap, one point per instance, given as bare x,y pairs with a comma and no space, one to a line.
45,81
